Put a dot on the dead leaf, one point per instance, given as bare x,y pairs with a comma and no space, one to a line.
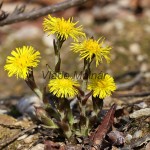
98,136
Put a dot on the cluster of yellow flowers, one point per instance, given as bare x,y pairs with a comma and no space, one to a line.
25,58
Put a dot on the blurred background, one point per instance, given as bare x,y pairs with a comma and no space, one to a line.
125,24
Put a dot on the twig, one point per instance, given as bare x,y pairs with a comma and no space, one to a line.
12,97
130,73
11,139
41,12
137,143
131,83
140,94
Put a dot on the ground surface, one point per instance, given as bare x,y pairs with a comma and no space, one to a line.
126,32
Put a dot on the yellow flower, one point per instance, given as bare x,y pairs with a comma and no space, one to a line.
90,48
62,28
63,87
102,86
21,61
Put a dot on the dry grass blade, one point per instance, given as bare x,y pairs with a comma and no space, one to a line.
98,136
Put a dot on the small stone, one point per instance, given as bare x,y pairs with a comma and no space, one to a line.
2,111
122,50
147,146
27,105
19,146
128,138
147,13
147,75
119,25
22,137
138,134
147,28
38,147
114,148
141,58
140,113
116,137
144,67
29,139
141,105
123,3
107,27
135,48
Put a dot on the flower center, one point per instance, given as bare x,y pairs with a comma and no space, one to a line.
91,46
21,62
65,83
102,84
64,27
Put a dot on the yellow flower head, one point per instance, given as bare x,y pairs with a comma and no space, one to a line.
21,61
62,28
102,86
63,87
90,48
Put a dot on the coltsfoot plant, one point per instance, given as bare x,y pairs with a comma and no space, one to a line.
66,110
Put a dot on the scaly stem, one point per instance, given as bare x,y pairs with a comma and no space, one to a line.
44,118
97,105
66,117
86,73
31,83
57,46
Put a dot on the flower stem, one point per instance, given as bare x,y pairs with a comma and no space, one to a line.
86,73
31,83
57,46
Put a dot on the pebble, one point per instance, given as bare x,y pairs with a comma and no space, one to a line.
138,134
128,138
141,105
107,27
147,75
147,13
135,48
122,50
141,58
38,147
2,111
27,103
140,113
22,137
29,139
147,28
116,137
144,67
123,3
119,25
19,146
115,148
